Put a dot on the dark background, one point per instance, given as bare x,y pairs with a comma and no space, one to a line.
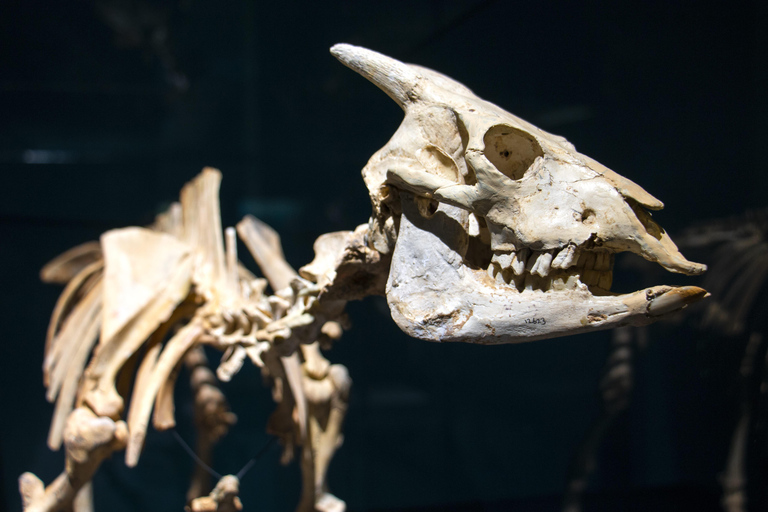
108,107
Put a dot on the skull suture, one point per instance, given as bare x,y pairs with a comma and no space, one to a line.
464,186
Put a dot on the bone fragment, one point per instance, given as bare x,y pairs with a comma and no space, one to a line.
171,221
232,266
66,303
223,498
329,249
138,263
202,228
88,440
143,400
212,417
77,338
100,393
231,362
264,244
66,266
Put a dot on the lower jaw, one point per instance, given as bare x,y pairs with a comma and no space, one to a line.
482,312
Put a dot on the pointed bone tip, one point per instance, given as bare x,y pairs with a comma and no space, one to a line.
31,488
346,52
675,299
688,268
339,48
393,77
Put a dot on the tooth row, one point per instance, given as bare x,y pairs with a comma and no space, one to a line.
558,282
600,261
526,269
540,263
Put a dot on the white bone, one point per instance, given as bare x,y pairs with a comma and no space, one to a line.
553,207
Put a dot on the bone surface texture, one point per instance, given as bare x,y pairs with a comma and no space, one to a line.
499,231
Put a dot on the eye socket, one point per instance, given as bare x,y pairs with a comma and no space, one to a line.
510,150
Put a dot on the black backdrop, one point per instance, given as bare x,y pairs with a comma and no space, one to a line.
108,107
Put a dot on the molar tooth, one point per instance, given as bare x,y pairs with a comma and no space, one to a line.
605,280
568,263
558,283
590,277
600,260
587,260
532,259
573,282
603,260
519,260
542,264
505,259
566,258
558,260
530,282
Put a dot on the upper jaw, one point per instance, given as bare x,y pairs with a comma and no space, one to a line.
434,295
557,270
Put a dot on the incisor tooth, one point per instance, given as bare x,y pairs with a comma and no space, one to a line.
542,264
500,277
492,270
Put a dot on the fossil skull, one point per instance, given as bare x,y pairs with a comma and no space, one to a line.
499,231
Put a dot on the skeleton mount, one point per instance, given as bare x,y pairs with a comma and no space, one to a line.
485,229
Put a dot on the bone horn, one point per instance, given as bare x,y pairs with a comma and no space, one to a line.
393,77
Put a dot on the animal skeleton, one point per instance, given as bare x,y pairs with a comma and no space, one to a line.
461,187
